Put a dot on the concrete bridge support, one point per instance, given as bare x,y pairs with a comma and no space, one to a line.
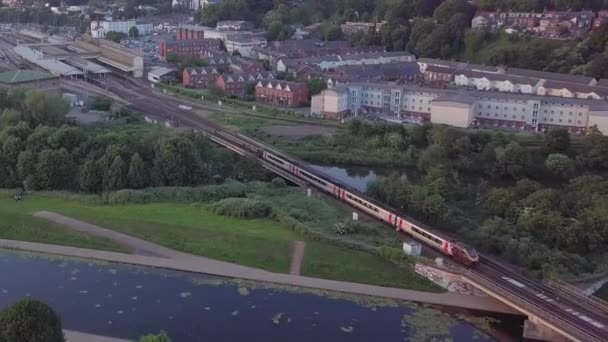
536,330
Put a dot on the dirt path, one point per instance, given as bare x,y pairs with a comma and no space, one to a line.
296,257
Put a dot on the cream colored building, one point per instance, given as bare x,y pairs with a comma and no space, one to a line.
454,110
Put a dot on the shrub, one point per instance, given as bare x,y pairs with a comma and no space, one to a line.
128,196
161,337
242,208
278,182
344,228
299,214
366,228
30,320
395,255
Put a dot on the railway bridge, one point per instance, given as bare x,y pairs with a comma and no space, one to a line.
554,314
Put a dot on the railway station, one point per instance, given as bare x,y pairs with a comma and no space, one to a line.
84,57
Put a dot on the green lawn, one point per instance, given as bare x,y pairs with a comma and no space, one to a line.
17,223
324,261
193,228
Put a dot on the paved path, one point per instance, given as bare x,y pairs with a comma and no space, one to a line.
75,336
208,266
296,257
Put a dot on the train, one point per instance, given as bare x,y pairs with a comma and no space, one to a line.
457,250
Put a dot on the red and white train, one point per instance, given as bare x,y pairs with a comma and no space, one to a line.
457,250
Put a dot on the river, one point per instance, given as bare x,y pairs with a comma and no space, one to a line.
358,176
127,301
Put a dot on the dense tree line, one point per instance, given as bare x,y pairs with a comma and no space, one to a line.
541,203
39,152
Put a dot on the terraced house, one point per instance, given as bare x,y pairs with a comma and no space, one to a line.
281,93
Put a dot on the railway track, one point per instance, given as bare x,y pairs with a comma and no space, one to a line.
589,324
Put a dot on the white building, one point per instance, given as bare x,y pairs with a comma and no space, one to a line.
100,28
243,45
463,108
334,61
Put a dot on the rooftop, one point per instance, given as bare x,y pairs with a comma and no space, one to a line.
20,76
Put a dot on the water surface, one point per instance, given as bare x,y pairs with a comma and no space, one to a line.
128,301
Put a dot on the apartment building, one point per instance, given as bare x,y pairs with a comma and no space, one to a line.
187,48
281,93
190,32
100,28
462,108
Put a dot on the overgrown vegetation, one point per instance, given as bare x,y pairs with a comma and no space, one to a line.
539,202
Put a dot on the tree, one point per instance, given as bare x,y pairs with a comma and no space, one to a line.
39,139
114,178
55,170
134,32
161,337
177,162
236,53
67,137
330,31
433,156
560,165
12,146
26,165
557,140
90,177
248,169
448,8
137,176
44,109
316,86
116,37
510,160
9,117
173,57
30,320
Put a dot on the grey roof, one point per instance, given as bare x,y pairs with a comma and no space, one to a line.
459,65
161,71
380,70
585,80
366,55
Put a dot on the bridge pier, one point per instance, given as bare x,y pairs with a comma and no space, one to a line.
536,330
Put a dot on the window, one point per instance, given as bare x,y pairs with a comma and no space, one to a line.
579,122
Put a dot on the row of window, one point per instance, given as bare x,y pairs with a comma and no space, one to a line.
363,203
312,178
426,235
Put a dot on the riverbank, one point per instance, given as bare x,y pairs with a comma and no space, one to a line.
261,243
213,267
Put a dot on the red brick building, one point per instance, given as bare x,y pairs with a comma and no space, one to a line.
281,93
187,48
199,77
190,32
236,84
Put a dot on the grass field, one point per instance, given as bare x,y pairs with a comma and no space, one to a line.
17,223
193,228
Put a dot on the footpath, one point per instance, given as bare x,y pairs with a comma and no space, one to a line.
75,336
178,261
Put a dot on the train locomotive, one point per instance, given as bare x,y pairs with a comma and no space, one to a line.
457,250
